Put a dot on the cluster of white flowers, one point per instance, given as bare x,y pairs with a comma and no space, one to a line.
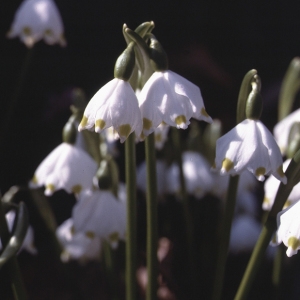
97,216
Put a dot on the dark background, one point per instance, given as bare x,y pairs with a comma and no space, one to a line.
211,43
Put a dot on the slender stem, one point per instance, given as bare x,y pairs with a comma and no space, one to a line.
225,236
152,235
188,217
12,266
131,243
256,259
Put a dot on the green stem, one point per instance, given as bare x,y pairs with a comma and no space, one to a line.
131,239
225,236
188,217
12,265
152,219
255,260
293,176
277,270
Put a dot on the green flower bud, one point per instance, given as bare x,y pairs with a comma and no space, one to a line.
158,56
125,63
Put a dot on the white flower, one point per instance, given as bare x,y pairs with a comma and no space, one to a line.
169,98
28,243
196,170
77,245
66,167
250,146
271,186
36,20
282,129
100,213
116,105
288,232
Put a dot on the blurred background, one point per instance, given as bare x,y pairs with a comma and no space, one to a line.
211,43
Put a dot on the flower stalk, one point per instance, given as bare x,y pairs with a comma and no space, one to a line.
131,239
152,219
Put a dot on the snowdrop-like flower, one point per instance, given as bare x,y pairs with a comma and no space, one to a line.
250,146
288,232
271,186
282,129
161,135
196,170
66,167
116,105
167,97
80,246
99,213
36,20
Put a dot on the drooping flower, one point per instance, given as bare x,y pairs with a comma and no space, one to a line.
250,146
36,20
79,245
196,170
161,135
66,167
288,229
271,186
101,214
168,97
282,129
116,105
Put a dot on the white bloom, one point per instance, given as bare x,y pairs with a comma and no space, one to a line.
66,167
99,213
77,245
36,20
116,105
28,243
169,98
160,177
196,170
250,146
282,129
271,186
288,232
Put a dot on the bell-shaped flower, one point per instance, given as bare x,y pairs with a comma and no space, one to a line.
80,246
36,20
196,170
161,135
116,105
250,146
100,213
66,167
288,229
167,97
282,129
271,187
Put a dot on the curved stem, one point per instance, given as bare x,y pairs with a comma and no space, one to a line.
152,219
131,240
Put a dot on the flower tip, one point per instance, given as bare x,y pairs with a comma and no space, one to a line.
48,192
290,252
260,178
284,180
